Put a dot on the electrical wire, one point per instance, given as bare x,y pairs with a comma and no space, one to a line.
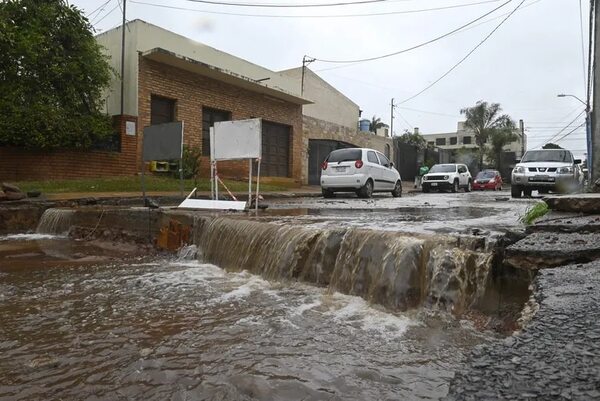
590,50
416,46
318,16
566,127
465,57
569,133
272,5
106,15
430,112
90,15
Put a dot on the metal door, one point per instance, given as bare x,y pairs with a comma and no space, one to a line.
318,150
275,160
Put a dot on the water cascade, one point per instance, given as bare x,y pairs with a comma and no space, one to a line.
396,270
55,221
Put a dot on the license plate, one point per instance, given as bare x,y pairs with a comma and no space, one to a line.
340,169
434,184
541,178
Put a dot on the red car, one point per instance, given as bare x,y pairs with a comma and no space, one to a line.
488,179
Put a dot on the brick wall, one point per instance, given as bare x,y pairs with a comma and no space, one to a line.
318,129
18,164
192,92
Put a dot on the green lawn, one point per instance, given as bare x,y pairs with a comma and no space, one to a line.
133,184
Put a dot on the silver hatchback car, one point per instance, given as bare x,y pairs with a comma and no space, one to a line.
359,170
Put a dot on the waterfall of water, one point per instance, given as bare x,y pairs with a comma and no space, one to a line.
396,270
55,221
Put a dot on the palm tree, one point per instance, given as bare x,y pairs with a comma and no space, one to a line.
498,141
375,123
486,122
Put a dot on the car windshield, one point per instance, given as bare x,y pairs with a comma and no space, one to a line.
486,174
443,168
344,155
548,156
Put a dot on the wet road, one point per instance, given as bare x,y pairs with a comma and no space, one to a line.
181,330
493,212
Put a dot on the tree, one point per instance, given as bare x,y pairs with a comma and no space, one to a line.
498,141
52,76
551,145
412,138
486,121
375,124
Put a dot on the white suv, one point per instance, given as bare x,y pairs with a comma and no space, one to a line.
359,170
546,170
448,176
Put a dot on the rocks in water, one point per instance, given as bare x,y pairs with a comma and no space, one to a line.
11,192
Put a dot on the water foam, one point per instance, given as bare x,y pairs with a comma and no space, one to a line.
29,237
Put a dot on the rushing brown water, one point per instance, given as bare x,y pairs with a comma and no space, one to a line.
182,330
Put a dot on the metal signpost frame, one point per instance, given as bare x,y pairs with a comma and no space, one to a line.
236,140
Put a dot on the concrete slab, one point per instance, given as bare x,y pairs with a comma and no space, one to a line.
566,222
546,249
578,203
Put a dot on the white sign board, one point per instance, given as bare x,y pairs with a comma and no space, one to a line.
239,139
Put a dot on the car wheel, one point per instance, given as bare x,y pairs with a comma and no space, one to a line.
527,193
469,187
515,191
425,189
543,191
367,190
327,193
397,192
455,186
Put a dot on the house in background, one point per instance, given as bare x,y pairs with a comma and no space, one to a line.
448,143
329,122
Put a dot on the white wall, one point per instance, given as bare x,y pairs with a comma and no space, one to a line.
329,104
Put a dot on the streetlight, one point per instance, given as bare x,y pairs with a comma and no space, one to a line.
588,131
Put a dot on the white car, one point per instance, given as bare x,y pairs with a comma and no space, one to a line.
546,170
359,170
448,176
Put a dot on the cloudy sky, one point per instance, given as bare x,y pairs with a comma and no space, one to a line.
533,56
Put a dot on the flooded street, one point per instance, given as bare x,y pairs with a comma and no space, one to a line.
169,329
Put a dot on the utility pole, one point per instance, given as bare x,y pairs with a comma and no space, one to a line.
305,62
522,127
392,120
123,58
593,134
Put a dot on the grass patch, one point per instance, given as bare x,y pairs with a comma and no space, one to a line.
534,212
133,184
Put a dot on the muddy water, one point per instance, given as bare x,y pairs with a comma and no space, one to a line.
181,330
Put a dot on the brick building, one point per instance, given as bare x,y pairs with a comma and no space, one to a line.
169,77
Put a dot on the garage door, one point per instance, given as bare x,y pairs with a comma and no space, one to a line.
318,150
275,150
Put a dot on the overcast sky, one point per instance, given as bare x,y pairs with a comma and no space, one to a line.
535,55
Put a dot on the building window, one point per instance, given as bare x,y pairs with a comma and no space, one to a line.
209,118
466,140
162,110
453,140
440,141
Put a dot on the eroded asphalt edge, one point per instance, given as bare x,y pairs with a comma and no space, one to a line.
557,354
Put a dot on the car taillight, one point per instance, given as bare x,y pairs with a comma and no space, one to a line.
324,165
358,164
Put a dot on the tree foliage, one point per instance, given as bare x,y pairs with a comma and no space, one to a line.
412,138
498,140
375,124
52,75
551,145
487,123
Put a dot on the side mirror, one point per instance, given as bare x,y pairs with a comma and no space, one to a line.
392,164
518,161
577,161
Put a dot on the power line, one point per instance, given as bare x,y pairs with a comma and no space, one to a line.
566,127
590,49
569,133
318,16
272,5
106,15
465,57
98,9
416,46
430,112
